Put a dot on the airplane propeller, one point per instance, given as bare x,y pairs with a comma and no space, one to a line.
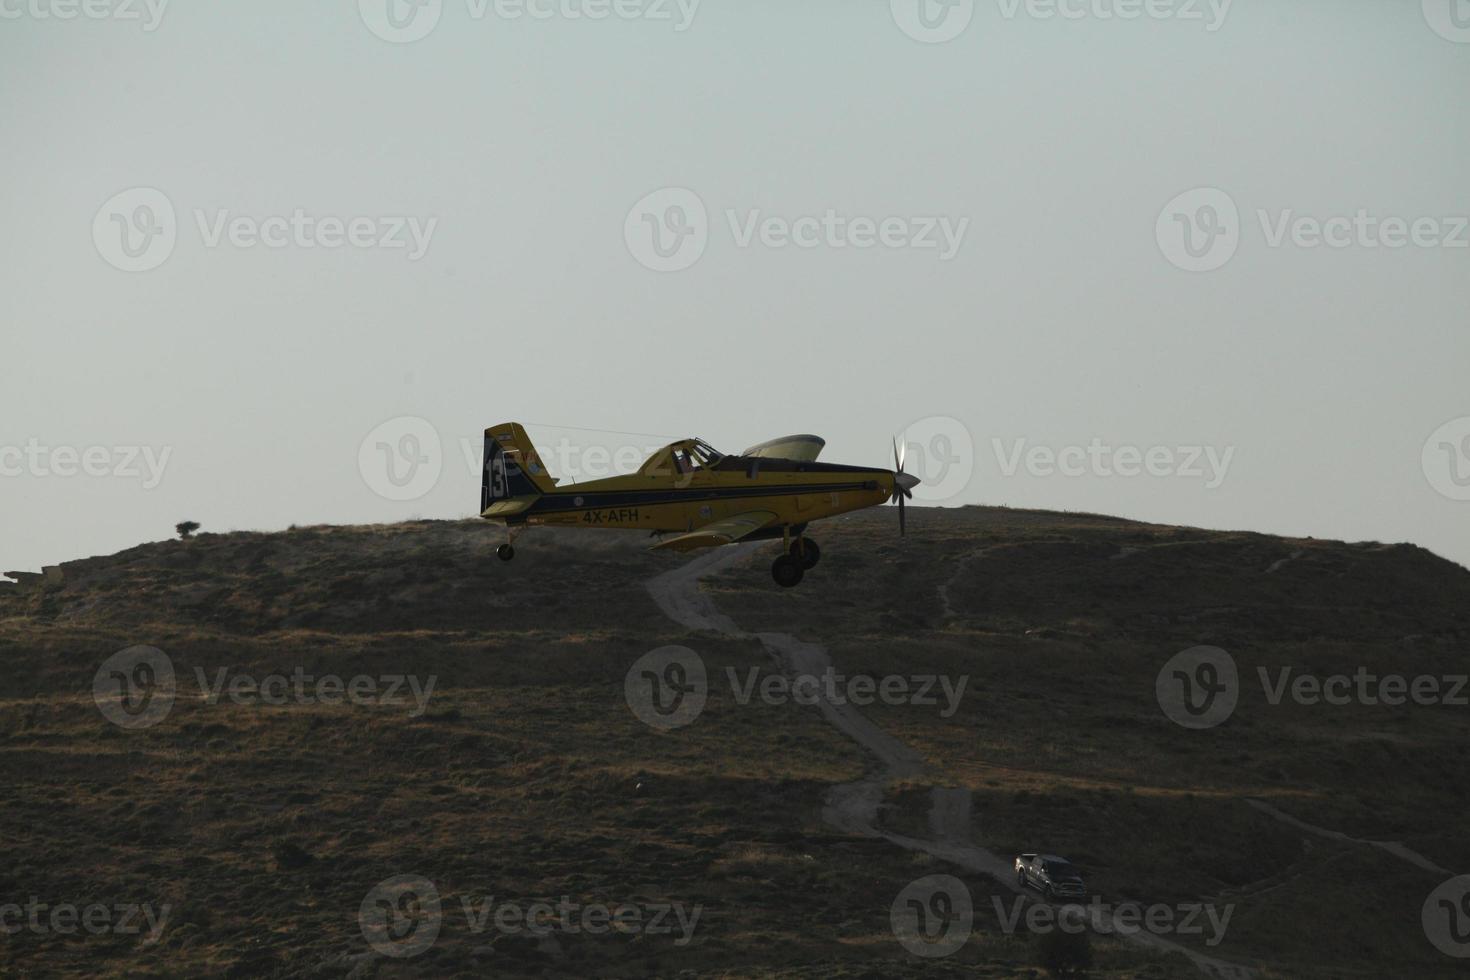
902,482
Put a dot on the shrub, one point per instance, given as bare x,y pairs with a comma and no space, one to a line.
1064,954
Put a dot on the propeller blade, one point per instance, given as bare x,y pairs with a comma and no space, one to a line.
902,483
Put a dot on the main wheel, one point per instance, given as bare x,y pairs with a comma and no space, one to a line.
805,550
787,571
505,552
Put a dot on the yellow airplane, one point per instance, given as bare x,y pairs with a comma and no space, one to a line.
705,498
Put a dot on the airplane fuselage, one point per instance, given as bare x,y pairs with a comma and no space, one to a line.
797,492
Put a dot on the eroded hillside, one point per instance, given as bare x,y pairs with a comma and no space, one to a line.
505,765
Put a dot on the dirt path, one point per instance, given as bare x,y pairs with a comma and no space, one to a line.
1392,847
946,608
854,807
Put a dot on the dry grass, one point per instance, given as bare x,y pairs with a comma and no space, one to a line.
527,777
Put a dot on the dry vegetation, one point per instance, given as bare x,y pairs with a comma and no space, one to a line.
264,827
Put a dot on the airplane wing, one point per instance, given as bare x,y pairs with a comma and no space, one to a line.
729,530
803,449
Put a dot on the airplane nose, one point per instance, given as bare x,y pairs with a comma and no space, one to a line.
906,480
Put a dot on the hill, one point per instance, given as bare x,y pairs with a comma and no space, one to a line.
488,749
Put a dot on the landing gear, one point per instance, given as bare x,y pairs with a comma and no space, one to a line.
787,570
505,552
805,550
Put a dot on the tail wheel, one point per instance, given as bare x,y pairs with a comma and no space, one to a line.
505,552
787,571
805,550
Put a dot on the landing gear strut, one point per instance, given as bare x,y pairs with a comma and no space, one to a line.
507,551
805,550
801,553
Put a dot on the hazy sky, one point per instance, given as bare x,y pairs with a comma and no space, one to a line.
1013,232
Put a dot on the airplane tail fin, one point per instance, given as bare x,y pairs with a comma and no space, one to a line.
513,475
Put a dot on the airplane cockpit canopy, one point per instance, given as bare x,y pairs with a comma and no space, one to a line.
682,457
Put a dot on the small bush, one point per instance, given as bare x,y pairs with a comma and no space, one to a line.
1064,954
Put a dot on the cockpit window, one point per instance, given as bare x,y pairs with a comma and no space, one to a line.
704,454
681,458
